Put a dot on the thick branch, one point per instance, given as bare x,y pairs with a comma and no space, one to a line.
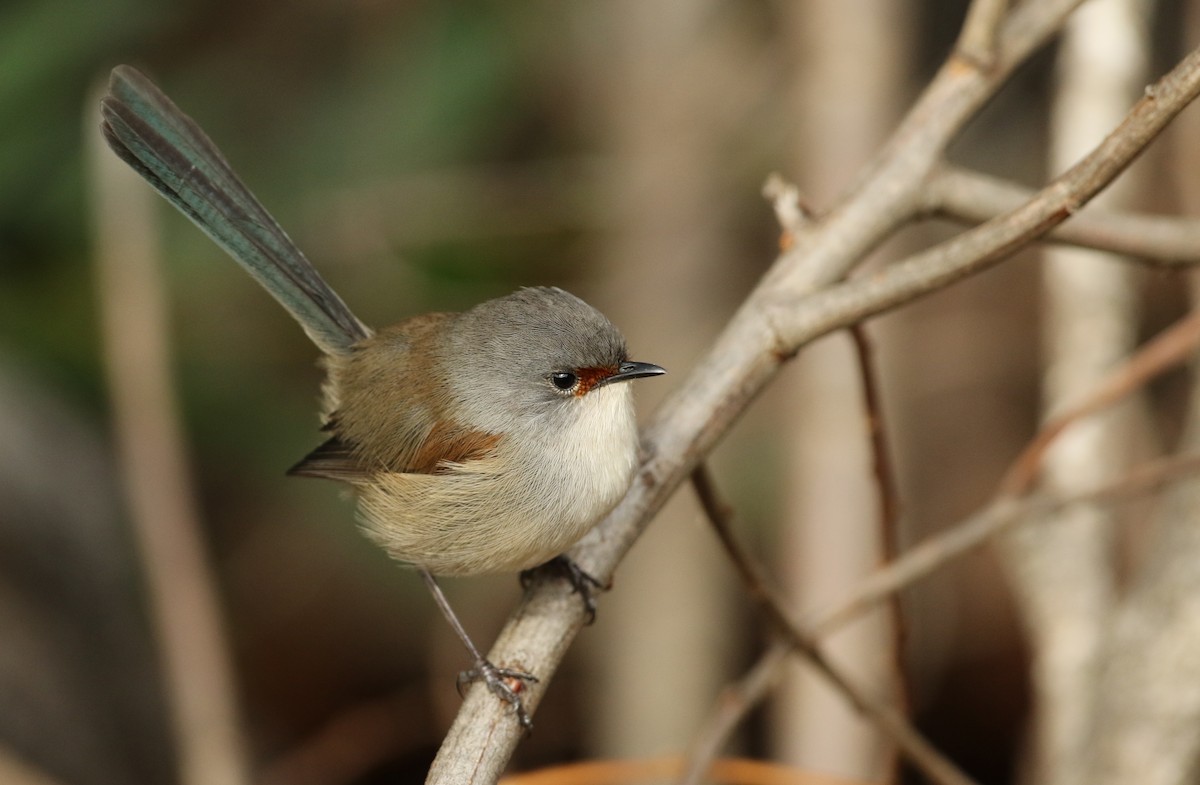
888,193
770,327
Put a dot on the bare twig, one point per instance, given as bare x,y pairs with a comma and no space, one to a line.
889,504
972,197
975,530
733,704
737,700
1169,348
977,41
888,191
919,562
790,209
923,755
881,461
719,514
182,594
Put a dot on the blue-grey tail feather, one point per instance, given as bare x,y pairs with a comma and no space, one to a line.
175,156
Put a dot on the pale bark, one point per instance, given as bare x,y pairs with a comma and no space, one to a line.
851,74
1063,569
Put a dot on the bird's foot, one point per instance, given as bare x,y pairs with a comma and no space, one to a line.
581,582
507,684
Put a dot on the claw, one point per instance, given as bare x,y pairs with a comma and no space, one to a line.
497,680
581,582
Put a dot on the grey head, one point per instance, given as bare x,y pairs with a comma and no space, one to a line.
536,350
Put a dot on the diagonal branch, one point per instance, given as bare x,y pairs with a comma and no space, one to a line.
971,197
1000,514
739,698
923,755
1169,348
734,703
888,192
742,696
977,41
778,319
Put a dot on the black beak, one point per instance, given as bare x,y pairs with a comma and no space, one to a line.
632,370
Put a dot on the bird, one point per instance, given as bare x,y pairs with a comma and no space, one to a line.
483,441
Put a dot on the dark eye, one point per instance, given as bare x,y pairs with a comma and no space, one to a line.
563,380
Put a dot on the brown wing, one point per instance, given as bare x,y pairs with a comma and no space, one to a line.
446,444
450,443
387,417
333,460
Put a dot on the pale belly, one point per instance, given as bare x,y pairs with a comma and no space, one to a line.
483,517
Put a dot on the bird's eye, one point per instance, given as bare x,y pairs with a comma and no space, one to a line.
563,380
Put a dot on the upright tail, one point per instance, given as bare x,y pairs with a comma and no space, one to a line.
169,150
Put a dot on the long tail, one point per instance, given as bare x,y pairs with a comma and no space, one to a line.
169,150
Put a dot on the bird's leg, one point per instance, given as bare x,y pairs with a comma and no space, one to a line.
483,669
581,582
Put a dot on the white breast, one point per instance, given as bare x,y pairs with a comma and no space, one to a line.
485,517
588,467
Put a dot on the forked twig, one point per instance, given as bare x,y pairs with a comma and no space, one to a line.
791,308
972,197
1002,513
910,742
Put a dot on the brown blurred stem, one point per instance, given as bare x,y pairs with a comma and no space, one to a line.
972,532
888,521
738,699
16,771
734,703
183,597
1169,348
923,755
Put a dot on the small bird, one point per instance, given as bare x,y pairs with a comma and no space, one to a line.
477,442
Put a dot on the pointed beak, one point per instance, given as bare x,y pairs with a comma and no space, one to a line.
632,370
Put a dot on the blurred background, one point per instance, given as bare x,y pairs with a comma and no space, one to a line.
428,155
